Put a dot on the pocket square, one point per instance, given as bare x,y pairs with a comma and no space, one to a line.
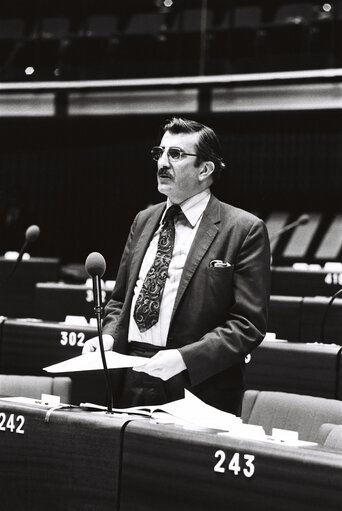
217,263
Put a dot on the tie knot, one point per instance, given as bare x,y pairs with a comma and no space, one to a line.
171,212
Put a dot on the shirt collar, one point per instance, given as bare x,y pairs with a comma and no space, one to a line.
193,208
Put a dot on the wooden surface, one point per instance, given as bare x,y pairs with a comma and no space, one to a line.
173,469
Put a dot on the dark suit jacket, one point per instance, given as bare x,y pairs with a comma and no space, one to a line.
220,314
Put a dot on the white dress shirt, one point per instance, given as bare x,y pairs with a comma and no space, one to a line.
186,226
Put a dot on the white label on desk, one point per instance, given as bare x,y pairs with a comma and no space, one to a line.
333,278
13,423
72,338
234,465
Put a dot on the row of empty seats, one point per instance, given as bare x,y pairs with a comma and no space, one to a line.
164,41
289,411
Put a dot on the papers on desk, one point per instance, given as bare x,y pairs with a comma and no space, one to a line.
187,411
93,361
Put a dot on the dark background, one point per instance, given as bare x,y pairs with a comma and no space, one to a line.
85,179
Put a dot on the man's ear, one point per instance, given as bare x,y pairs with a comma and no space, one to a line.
207,168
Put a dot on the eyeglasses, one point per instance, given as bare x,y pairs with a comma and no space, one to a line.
174,153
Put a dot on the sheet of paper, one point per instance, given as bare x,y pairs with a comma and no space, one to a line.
93,361
195,411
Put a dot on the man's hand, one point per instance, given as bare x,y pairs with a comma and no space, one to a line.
93,344
163,364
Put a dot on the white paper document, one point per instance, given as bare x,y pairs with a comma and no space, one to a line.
93,361
189,410
194,411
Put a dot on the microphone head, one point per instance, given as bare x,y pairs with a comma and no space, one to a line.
303,219
95,264
32,233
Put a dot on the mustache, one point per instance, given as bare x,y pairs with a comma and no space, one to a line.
164,172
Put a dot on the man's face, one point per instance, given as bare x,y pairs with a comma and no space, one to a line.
179,180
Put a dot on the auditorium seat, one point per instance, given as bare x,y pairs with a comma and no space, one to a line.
34,386
233,39
12,31
245,37
91,53
53,39
301,238
333,436
190,26
322,35
294,412
287,36
144,49
275,222
331,243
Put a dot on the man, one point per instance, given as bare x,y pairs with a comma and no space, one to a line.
198,308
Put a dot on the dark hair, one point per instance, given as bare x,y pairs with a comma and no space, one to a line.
208,146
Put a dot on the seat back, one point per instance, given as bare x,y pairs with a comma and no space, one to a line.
295,412
334,438
33,386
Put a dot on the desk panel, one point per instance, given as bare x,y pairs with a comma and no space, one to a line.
169,468
313,311
28,346
294,367
290,282
17,295
285,317
54,301
70,463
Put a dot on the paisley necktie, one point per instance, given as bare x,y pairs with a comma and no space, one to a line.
147,306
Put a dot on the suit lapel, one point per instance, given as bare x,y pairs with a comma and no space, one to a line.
205,235
142,245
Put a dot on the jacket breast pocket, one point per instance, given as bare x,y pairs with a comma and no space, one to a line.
220,283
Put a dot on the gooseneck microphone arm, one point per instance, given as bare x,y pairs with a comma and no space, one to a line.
96,266
325,315
302,220
31,234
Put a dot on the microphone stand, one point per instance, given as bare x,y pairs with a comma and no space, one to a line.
18,260
98,312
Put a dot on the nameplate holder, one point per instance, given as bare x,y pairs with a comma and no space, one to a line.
50,400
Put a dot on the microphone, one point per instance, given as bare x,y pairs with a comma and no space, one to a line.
95,266
31,234
302,220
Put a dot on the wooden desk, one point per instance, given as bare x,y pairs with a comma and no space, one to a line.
166,468
295,367
290,282
70,463
28,346
54,301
